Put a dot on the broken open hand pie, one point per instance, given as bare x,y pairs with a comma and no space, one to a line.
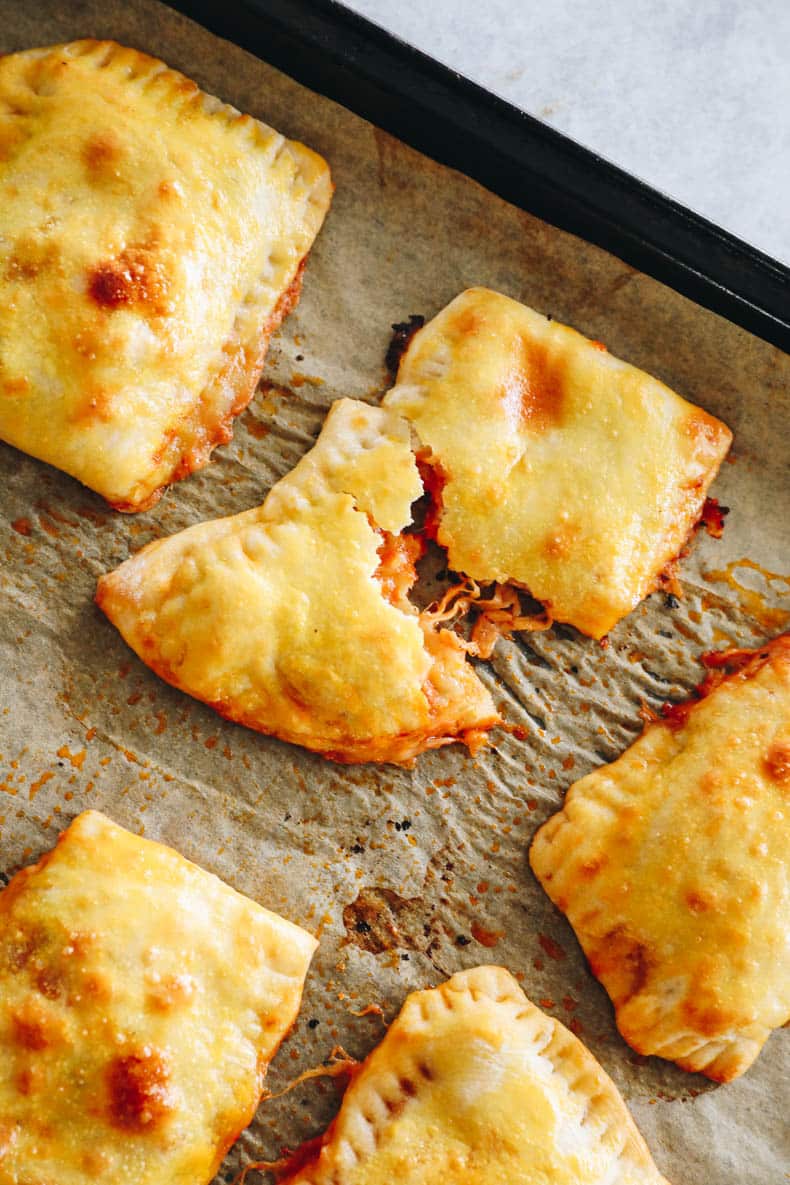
152,240
555,466
293,618
141,1001
673,867
474,1085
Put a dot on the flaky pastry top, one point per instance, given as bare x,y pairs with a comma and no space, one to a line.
474,1085
559,467
141,1000
148,233
673,867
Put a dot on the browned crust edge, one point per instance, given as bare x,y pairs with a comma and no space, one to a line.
239,374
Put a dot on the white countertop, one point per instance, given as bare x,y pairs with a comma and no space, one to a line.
693,96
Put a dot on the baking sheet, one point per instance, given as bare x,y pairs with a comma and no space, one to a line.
432,859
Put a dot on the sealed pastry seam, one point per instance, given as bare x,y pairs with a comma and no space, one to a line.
294,619
141,1001
474,1084
672,866
146,269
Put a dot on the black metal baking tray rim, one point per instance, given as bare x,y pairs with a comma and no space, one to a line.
330,49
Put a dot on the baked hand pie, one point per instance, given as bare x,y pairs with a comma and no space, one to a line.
673,867
293,618
474,1085
556,467
141,1001
152,240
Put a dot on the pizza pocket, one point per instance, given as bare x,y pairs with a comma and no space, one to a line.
555,466
474,1085
141,1001
293,618
672,865
152,240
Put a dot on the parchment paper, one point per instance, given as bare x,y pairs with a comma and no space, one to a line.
433,859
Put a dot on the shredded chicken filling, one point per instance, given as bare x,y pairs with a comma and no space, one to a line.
497,616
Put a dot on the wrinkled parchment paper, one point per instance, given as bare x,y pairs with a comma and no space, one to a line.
406,875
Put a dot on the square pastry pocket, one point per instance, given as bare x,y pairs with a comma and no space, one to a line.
672,865
151,240
141,1001
474,1085
555,466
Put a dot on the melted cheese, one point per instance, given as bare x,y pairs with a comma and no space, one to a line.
151,240
279,619
561,468
141,1000
672,866
473,1085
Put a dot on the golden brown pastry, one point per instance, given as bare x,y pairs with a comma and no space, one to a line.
152,240
293,618
673,867
556,466
474,1085
141,1001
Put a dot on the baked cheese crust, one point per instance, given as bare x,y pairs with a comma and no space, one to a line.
292,618
558,467
141,1000
152,239
474,1085
673,867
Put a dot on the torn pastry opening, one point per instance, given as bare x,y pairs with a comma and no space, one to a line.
449,673
499,614
496,614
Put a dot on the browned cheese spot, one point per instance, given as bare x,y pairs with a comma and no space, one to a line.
137,277
706,1018
25,942
32,1028
101,154
174,991
777,762
624,962
698,901
18,385
589,869
533,390
29,257
28,1081
12,135
140,1098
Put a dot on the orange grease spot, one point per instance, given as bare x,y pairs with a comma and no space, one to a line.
39,782
77,760
485,937
552,948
